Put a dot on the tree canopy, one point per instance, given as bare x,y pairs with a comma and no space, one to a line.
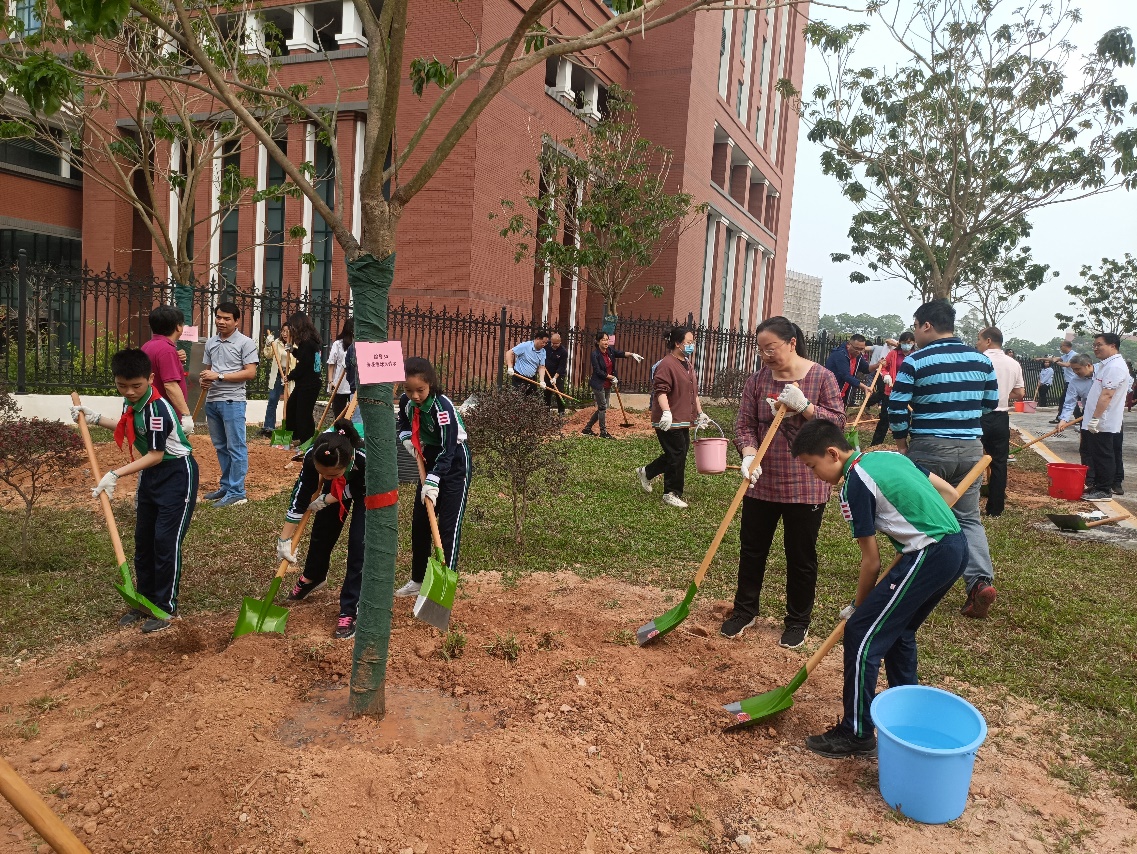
885,326
1107,299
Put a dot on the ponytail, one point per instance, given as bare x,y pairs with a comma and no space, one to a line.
336,448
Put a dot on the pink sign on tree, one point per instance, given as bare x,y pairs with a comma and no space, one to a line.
380,363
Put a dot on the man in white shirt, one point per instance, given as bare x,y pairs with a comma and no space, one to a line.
997,423
1105,407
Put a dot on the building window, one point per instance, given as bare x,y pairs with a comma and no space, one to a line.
763,73
323,241
30,154
273,285
58,252
25,12
743,106
230,189
724,52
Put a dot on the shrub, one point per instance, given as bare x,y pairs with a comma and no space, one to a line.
514,438
34,455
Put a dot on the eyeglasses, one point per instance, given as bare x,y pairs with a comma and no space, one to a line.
769,351
1097,344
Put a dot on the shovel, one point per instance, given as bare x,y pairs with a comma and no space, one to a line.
126,589
1053,432
323,415
623,414
755,709
1074,522
39,815
664,623
282,436
436,596
260,615
544,387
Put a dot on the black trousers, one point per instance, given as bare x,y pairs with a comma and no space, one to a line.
550,397
672,463
1043,394
326,528
452,493
523,386
167,494
298,413
996,442
1102,452
878,395
339,404
801,524
1118,458
881,430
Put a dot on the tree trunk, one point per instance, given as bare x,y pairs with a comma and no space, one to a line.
370,280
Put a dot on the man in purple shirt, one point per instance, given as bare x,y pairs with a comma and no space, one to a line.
169,381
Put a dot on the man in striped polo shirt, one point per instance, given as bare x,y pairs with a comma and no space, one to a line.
949,386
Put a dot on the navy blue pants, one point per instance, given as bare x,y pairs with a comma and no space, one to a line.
452,493
326,529
167,494
885,624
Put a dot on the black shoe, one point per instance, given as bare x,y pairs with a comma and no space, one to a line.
587,432
794,636
265,433
736,625
215,495
1097,495
132,616
606,435
345,628
838,743
153,624
1118,489
303,587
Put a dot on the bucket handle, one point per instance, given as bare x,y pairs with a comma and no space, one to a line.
722,433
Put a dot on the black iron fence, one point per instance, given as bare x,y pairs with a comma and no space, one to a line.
59,328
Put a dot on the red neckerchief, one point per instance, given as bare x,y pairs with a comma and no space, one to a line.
415,425
339,484
124,431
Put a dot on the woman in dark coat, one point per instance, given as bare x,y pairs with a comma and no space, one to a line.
603,380
305,375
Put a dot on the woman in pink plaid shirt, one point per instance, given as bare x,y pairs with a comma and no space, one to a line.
782,487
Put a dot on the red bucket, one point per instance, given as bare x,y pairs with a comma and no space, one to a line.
1067,480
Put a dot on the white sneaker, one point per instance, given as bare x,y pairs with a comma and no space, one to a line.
411,588
645,482
673,500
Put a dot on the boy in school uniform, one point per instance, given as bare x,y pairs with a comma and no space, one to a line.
883,491
167,483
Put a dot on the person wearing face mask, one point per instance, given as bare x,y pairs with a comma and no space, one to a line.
675,409
892,361
782,488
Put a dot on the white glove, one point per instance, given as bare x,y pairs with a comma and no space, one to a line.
637,357
429,491
89,414
1092,426
615,382
107,485
665,420
703,420
749,470
322,501
847,612
410,446
509,370
187,424
284,550
888,380
794,398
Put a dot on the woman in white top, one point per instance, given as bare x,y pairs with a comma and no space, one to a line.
276,354
337,362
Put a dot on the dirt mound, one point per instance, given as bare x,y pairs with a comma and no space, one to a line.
185,742
641,421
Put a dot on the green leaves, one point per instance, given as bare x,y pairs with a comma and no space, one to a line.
1107,299
43,81
1116,46
425,71
90,18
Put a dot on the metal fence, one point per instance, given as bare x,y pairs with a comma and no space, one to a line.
59,328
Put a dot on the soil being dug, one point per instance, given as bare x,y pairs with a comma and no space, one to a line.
641,421
186,742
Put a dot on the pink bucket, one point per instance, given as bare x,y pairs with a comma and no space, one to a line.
710,453
1030,406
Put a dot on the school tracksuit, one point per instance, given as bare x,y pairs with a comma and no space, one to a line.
166,497
886,491
328,523
442,436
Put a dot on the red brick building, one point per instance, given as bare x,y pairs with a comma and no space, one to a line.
703,86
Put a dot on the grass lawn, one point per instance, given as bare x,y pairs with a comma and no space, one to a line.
1062,635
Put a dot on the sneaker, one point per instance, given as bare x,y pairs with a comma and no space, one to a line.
411,588
265,433
673,500
980,598
132,616
1118,489
345,628
1054,421
587,432
736,625
1097,495
838,743
303,587
645,481
793,637
213,496
606,435
231,501
153,624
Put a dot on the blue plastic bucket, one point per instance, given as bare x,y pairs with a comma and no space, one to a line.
926,745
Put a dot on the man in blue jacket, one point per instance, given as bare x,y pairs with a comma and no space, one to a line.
845,362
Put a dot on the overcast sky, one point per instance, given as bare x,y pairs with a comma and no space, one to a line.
1066,236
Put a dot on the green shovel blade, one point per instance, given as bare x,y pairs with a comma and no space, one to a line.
664,623
281,438
755,709
135,599
853,437
436,596
260,615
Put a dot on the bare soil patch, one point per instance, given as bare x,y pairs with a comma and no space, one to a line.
186,742
641,421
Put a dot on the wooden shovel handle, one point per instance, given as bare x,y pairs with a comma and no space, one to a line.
331,397
1053,432
739,494
299,532
280,370
437,537
349,410
545,387
31,806
1108,521
620,400
865,402
839,630
104,501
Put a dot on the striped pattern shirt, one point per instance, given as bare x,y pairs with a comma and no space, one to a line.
949,386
